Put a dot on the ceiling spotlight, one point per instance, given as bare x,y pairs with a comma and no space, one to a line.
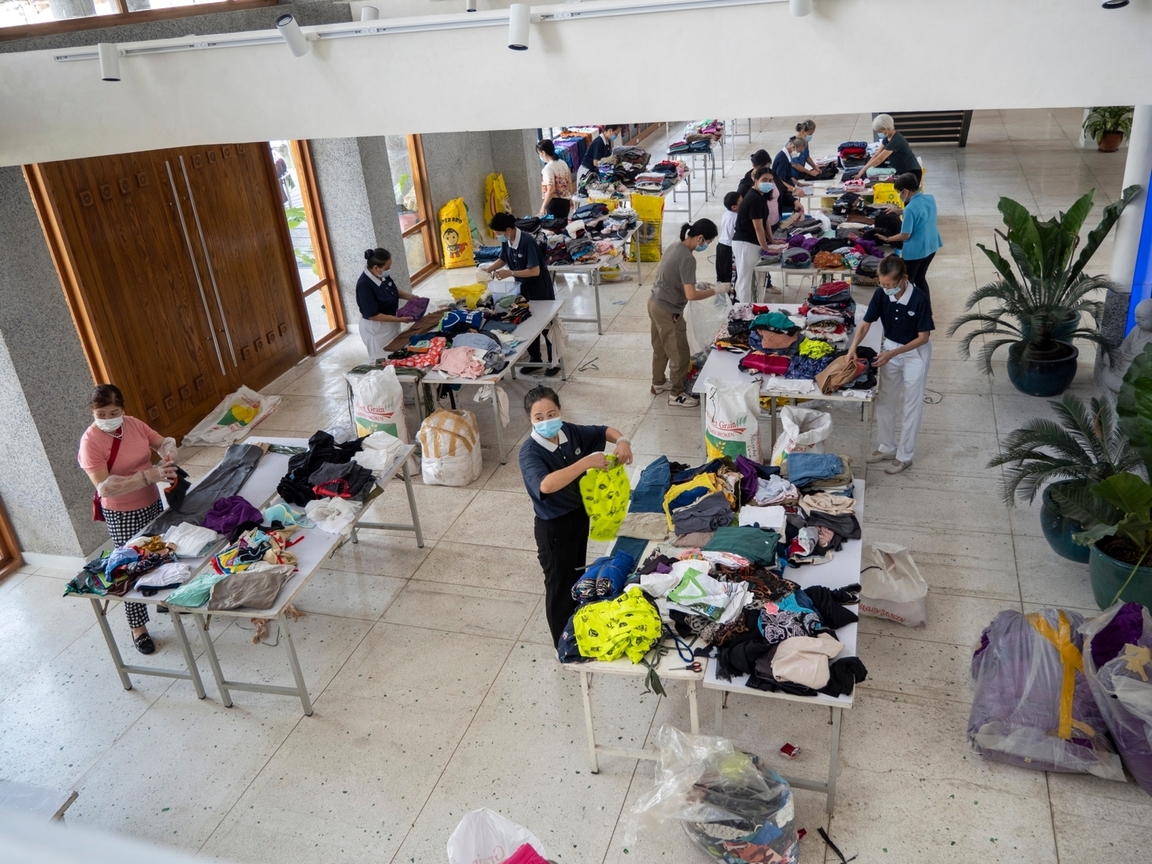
369,13
469,5
800,8
109,61
519,19
1114,4
293,35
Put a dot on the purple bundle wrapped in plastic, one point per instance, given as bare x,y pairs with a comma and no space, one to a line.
1033,706
1118,665
229,512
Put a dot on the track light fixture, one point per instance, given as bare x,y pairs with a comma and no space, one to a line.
469,5
109,61
800,8
293,35
369,13
519,20
1114,4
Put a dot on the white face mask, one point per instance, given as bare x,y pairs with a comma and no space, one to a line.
111,424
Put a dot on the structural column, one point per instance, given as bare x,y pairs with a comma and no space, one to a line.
1131,254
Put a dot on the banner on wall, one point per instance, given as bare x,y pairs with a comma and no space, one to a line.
455,236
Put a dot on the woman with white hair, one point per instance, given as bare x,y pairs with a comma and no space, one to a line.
894,148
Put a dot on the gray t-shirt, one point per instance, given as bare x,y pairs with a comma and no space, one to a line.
677,269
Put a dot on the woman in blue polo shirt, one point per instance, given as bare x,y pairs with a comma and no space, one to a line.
918,230
552,461
378,299
906,315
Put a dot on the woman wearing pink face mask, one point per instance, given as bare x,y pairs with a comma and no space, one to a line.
116,454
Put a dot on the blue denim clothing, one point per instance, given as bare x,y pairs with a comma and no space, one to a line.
648,496
803,468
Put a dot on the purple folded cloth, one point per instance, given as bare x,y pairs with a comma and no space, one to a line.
414,308
227,513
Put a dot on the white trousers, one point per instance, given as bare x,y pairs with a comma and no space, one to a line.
901,399
746,256
376,335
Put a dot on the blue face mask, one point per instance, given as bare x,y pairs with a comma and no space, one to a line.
702,247
892,292
548,428
764,187
384,275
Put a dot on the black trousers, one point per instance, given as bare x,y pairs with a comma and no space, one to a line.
562,547
918,272
724,271
560,207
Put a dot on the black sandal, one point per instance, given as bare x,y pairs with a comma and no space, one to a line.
144,644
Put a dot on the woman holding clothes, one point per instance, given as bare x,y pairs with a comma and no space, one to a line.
675,285
378,299
919,233
116,454
753,232
802,161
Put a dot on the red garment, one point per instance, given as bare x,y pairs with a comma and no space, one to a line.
423,361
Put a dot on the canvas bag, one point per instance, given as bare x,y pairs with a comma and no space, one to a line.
495,199
450,448
650,211
804,431
455,235
378,403
485,836
893,588
732,419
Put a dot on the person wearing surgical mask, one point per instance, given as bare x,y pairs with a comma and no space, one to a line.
116,454
919,234
521,259
378,299
552,461
758,212
602,145
802,161
673,287
906,316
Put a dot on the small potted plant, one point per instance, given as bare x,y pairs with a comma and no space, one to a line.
1117,511
1108,126
1082,447
1038,308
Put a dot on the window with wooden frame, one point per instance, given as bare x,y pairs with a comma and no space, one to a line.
23,18
413,205
10,558
293,163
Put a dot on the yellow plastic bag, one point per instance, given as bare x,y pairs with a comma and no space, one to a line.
605,494
650,212
885,193
455,238
495,200
611,629
470,294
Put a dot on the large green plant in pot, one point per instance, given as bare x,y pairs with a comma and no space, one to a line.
1117,511
1081,447
1037,307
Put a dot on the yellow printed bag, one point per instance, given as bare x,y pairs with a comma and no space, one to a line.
495,200
650,213
455,237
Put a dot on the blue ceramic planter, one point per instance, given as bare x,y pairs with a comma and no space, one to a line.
1043,377
1107,575
1058,530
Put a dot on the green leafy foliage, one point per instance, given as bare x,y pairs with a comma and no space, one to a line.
1112,118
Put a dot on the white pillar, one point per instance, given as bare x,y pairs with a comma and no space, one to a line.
1130,227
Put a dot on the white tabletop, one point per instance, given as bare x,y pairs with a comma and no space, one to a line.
841,571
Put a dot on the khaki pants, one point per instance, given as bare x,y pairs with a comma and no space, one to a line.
669,347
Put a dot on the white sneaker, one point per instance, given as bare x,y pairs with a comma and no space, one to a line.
897,466
878,456
661,388
684,400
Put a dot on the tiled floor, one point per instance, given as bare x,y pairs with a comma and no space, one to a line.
435,689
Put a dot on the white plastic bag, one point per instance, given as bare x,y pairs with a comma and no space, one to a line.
233,418
378,403
804,431
485,837
704,318
732,419
450,448
894,588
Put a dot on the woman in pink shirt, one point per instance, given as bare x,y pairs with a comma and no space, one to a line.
116,454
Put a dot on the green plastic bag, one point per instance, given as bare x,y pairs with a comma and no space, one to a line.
605,493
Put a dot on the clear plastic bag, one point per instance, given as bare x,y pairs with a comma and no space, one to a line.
1121,683
1033,707
735,808
704,318
484,835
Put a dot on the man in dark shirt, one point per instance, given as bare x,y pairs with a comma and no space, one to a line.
552,461
520,258
906,315
600,147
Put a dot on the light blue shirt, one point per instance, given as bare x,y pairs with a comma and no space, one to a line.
920,223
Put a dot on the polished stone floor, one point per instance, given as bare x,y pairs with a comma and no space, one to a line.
435,689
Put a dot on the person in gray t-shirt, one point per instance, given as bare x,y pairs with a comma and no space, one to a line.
674,286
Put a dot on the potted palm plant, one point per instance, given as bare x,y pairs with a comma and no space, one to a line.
1082,447
1038,308
1117,511
1108,126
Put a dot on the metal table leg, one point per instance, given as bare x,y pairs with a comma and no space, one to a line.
834,760
213,660
412,504
297,673
499,425
595,280
721,704
190,673
117,660
189,657
588,721
693,709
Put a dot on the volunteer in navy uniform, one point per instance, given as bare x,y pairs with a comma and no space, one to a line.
906,315
520,258
552,461
378,299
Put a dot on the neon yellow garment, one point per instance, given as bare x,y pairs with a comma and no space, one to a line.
605,494
815,348
611,629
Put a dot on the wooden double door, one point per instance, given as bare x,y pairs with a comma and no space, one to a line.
180,273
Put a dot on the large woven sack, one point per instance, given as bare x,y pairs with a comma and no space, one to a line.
450,448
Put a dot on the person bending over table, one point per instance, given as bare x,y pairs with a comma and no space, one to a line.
918,231
802,161
906,316
520,258
760,159
378,299
675,284
600,147
753,232
555,182
785,174
893,148
552,461
116,454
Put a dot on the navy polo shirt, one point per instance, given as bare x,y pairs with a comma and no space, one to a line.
539,457
597,150
373,298
903,319
524,256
